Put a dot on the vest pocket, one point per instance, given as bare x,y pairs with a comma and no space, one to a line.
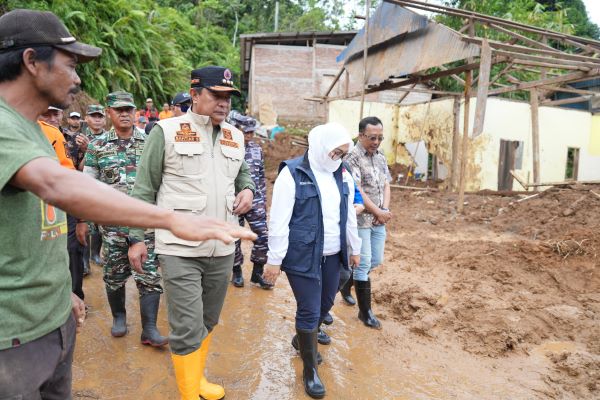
302,243
188,204
231,217
189,154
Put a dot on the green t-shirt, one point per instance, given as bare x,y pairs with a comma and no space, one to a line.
35,283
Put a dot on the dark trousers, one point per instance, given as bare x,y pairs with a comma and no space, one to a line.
75,250
40,369
314,297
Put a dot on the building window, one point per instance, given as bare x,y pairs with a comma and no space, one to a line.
572,168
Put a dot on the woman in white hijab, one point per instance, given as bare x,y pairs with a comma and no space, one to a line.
311,229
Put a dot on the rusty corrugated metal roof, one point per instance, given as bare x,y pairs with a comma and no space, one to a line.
404,43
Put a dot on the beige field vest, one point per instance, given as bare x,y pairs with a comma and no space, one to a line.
198,178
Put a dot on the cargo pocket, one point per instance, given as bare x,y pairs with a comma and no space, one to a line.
233,160
189,153
301,246
231,217
194,205
110,175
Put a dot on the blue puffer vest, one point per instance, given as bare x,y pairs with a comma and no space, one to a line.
306,236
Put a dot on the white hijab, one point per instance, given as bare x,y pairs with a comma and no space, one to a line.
322,139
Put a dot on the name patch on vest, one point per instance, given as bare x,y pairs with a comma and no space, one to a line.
185,134
227,134
229,143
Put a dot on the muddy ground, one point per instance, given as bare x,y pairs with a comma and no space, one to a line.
502,302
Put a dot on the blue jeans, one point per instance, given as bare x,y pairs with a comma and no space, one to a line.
314,297
371,251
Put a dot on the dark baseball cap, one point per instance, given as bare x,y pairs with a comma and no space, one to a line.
218,79
182,97
21,29
243,122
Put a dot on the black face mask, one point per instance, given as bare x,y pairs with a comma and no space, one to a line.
184,107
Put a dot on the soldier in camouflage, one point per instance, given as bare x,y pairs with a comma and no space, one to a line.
113,158
95,122
257,216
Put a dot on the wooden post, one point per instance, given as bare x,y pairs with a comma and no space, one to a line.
465,140
535,134
465,143
455,168
364,82
482,88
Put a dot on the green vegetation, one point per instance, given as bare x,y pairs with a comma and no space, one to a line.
149,47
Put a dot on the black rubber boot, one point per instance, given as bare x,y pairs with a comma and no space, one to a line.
149,303
116,300
307,342
363,295
346,294
86,261
328,320
322,337
296,346
257,279
237,278
95,246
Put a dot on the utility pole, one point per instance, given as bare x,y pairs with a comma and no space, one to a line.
276,16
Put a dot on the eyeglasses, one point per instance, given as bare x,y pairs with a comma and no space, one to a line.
337,154
374,138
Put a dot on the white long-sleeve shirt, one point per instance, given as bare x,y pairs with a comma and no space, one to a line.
282,206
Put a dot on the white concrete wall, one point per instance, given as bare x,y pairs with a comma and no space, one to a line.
560,129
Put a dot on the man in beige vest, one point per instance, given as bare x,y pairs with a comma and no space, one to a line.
195,164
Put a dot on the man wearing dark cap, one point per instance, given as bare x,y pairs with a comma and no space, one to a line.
257,216
181,103
113,159
195,163
38,57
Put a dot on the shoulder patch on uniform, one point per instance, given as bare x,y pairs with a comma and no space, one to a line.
227,134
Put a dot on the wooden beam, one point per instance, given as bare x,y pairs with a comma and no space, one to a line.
581,46
482,88
499,75
455,165
522,38
549,60
464,156
572,77
490,19
549,65
405,94
335,80
535,134
455,77
465,144
570,100
572,90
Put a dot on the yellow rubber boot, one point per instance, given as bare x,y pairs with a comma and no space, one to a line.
188,374
208,391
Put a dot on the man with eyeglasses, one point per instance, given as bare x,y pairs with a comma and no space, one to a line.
113,160
371,173
181,103
195,163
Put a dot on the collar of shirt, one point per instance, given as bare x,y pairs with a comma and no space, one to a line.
364,151
137,134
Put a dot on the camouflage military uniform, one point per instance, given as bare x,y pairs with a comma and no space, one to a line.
114,161
257,216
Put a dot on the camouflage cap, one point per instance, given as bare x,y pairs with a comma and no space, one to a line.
119,99
95,109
